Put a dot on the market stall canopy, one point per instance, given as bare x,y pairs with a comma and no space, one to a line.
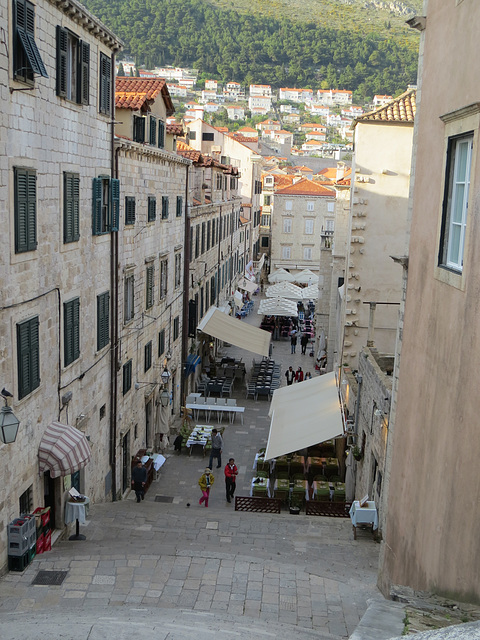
277,307
281,275
63,450
303,415
237,296
236,332
310,293
285,290
247,285
306,277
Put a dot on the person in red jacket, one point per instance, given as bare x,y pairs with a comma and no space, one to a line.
231,473
299,375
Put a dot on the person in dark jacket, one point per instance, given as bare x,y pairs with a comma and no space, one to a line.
299,375
231,473
139,479
293,342
304,343
290,375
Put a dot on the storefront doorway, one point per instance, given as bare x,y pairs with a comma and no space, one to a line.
126,462
49,496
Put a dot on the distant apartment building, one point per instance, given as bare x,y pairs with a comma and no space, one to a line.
260,102
295,95
234,91
212,107
271,125
176,73
260,90
234,112
379,101
208,95
312,127
212,85
317,109
334,96
177,90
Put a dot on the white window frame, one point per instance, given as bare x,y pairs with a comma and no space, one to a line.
288,205
307,253
129,302
286,252
310,205
329,224
287,225
309,226
330,207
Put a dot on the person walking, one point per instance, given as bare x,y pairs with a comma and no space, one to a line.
205,482
304,343
299,375
139,479
231,473
308,376
290,375
216,452
293,342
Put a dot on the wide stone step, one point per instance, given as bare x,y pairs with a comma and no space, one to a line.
381,621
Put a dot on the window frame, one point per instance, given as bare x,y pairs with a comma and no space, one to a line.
25,209
179,210
130,210
309,251
165,203
71,207
73,71
105,205
26,56
28,356
178,270
309,226
286,249
71,331
151,209
103,320
148,357
127,377
176,328
105,84
161,342
287,225
149,286
163,278
128,298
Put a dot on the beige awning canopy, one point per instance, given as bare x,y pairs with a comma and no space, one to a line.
236,332
303,415
247,285
63,450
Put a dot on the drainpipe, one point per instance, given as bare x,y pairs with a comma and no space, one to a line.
114,299
186,292
359,379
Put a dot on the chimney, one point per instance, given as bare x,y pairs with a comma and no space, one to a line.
340,171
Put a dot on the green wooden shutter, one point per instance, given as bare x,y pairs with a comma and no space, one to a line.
25,210
103,320
105,84
71,207
164,207
97,226
161,134
150,287
62,47
114,204
129,210
153,130
83,85
152,208
71,340
180,211
28,357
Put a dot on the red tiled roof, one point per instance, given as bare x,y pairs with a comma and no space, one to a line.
401,109
306,187
175,129
139,93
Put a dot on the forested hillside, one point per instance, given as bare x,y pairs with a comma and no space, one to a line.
281,51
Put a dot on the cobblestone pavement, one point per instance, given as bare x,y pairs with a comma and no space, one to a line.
177,555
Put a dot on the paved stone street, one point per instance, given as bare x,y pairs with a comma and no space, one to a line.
204,569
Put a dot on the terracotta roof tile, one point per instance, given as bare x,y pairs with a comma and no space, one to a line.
175,129
138,93
306,187
401,109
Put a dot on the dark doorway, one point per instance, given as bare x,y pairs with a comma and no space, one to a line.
125,461
49,496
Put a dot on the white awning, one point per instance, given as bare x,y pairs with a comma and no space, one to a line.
304,414
247,285
277,307
63,450
237,296
236,332
281,275
285,290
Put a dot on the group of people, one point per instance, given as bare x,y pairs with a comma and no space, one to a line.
230,472
296,376
303,342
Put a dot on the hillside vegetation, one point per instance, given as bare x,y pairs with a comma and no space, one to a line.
277,45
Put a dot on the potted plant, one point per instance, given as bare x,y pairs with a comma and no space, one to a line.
357,453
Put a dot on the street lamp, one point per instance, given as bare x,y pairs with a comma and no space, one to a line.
164,398
166,375
9,423
165,395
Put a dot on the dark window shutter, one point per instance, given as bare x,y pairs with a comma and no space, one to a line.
71,207
62,44
150,286
152,208
127,376
164,207
179,206
192,319
153,130
114,204
105,84
97,206
161,134
103,320
25,210
148,356
71,339
161,342
139,129
83,88
129,210
28,357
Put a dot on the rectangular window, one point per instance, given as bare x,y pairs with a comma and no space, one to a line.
161,134
288,205
152,208
209,234
103,320
139,128
309,227
287,225
197,241
127,377
207,298
219,182
179,206
152,134
163,278
106,205
329,225
330,207
176,328
267,200
28,357
150,286
129,299
265,220
202,302
191,244
307,253
455,202
212,290
213,233
310,206
148,356
73,67
25,503
164,207
286,253
71,207
178,270
208,137
203,237
71,331
25,207
192,135
161,342
130,210
105,88
26,56
264,241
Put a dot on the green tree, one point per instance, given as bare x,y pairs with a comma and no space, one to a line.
121,71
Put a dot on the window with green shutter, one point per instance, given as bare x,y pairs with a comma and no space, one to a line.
103,320
164,207
176,327
105,86
152,138
105,205
71,207
152,208
27,60
73,67
127,377
129,210
71,332
148,356
139,129
161,343
161,134
25,203
180,206
28,356
150,280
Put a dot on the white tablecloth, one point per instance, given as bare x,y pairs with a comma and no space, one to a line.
76,511
265,483
364,515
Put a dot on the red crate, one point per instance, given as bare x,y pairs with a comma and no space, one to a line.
40,542
47,541
44,514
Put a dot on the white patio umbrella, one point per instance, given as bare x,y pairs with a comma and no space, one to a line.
306,277
277,307
310,293
285,290
281,275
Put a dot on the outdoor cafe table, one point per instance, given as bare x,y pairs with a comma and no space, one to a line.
363,515
219,408
215,385
261,483
322,490
200,435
